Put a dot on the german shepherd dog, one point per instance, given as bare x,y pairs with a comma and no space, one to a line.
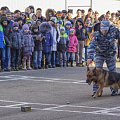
103,78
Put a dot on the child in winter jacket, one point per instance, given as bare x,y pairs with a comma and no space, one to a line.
81,34
72,46
16,45
37,54
28,47
89,29
67,27
56,37
2,41
5,63
47,43
63,44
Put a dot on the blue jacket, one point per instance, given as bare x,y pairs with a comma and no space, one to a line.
47,43
103,45
17,39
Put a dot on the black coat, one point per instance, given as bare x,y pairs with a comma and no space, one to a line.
37,43
82,33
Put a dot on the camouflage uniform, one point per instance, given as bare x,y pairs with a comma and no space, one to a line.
104,48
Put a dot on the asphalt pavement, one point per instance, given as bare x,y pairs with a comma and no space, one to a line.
54,94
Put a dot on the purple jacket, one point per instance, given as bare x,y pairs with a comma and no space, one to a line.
28,46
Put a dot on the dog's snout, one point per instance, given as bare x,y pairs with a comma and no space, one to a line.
87,81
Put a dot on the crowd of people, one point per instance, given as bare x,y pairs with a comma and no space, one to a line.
29,40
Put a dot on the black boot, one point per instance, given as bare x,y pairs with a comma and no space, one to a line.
46,63
42,64
67,64
71,63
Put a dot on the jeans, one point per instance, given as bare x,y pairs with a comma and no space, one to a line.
70,55
111,65
37,56
15,57
52,58
5,57
79,52
62,58
46,56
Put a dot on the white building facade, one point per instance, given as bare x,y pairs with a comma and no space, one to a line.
100,5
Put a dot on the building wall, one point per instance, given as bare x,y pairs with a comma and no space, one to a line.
100,5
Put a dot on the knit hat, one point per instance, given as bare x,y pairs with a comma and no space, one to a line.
88,21
70,11
15,24
68,23
64,11
53,19
27,13
19,18
105,25
29,21
58,13
25,26
8,11
3,8
62,29
59,21
72,30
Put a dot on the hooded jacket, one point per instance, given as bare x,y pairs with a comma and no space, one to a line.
28,46
47,13
31,15
48,41
7,31
17,39
56,37
73,42
63,44
82,33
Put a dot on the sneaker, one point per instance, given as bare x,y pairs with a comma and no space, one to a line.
53,66
93,94
80,65
39,67
35,68
7,70
17,69
50,66
2,70
114,93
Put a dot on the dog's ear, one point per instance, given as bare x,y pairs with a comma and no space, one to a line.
88,68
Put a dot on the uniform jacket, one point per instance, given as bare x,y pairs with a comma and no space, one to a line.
63,44
82,33
17,39
103,45
48,41
73,42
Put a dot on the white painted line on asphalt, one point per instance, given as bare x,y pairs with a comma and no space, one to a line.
58,108
40,79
